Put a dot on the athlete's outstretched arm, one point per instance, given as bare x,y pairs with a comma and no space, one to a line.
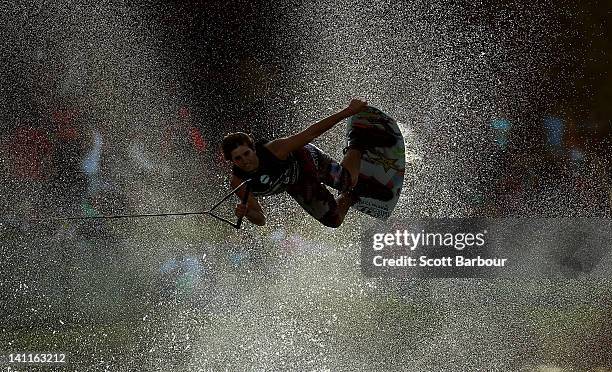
283,146
252,210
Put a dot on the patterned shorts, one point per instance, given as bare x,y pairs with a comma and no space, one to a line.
317,170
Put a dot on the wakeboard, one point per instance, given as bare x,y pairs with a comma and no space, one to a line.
382,168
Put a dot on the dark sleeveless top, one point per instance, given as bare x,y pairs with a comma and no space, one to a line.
273,174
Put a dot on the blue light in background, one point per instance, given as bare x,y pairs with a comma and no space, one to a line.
554,128
501,127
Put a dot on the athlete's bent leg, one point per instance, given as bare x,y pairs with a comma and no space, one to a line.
319,202
352,163
343,203
314,197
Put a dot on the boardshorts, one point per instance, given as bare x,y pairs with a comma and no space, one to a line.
317,170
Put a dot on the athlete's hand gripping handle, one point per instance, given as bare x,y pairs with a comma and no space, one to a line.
245,199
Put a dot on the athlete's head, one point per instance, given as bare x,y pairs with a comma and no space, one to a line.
240,150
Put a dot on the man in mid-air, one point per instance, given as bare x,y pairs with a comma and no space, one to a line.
294,165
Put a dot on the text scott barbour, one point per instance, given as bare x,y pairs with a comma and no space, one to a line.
408,242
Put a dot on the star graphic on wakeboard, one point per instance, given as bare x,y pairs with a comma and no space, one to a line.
381,160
